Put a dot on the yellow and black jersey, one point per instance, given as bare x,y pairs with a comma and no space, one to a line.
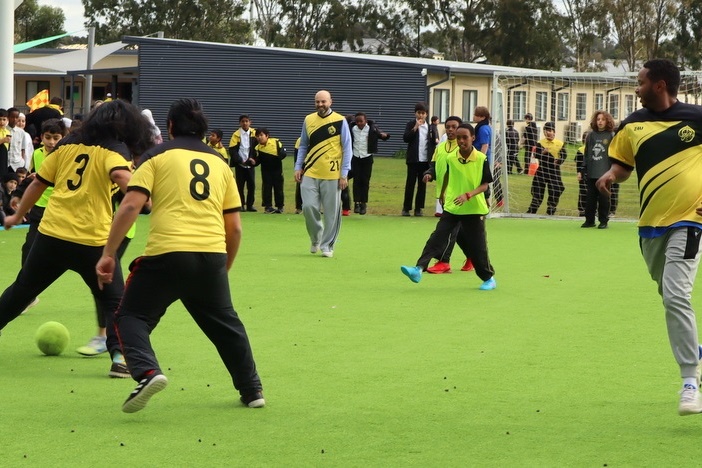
556,150
221,150
666,150
81,203
324,156
272,151
191,187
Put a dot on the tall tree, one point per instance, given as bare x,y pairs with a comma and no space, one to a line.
688,38
35,22
206,20
658,24
630,24
586,25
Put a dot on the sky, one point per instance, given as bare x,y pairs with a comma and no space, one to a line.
73,10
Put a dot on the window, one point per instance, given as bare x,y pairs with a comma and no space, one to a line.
599,101
33,87
441,104
541,105
614,105
629,104
563,106
75,96
581,106
470,102
518,105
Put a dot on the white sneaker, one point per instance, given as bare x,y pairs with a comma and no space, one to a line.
314,248
328,253
31,304
690,402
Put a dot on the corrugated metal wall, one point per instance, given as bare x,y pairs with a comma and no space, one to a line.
276,88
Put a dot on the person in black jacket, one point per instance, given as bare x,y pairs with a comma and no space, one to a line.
531,137
512,140
420,148
364,136
38,116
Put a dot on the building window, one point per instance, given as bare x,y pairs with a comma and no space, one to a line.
563,106
75,95
541,110
33,87
614,105
441,104
599,101
518,105
470,102
581,106
629,104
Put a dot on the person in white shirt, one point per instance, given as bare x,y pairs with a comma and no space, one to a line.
364,137
28,145
16,153
420,147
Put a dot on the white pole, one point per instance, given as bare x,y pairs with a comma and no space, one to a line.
7,42
88,91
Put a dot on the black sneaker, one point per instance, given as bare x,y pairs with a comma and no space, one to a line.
602,226
119,370
587,225
253,400
251,208
148,387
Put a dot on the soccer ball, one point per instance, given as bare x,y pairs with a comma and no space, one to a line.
52,338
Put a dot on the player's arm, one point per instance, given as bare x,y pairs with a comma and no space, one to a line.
30,197
232,233
121,177
616,174
125,217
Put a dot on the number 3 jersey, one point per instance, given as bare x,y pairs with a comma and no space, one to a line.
191,188
80,208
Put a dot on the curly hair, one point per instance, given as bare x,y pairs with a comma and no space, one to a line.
117,120
609,126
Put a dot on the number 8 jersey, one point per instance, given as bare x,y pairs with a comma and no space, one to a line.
191,186
80,208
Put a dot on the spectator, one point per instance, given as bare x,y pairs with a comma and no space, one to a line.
512,140
242,149
270,154
420,147
595,165
531,136
364,136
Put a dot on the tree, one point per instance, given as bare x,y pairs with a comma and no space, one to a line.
586,25
523,33
630,23
205,20
34,22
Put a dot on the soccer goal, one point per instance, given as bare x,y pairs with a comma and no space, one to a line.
569,102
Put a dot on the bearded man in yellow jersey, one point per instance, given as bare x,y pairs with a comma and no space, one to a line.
81,169
322,167
663,142
193,239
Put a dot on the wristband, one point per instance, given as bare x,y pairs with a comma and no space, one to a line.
467,195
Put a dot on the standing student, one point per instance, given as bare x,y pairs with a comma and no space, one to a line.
241,157
16,156
551,153
531,136
464,177
364,137
420,146
663,142
194,238
270,154
214,141
322,168
595,164
76,221
512,141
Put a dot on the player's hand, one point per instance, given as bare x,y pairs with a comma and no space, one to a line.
427,178
12,221
14,202
461,199
343,183
298,176
604,183
105,268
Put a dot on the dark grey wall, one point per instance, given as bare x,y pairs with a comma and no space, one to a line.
276,88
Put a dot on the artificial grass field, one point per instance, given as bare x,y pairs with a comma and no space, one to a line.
565,364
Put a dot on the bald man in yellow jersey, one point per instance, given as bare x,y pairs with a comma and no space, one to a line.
82,169
322,167
193,238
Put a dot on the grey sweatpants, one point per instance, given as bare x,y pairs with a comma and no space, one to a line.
672,261
321,195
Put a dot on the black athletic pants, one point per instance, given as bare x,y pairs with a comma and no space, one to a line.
415,175
246,176
473,237
48,259
200,282
362,169
272,182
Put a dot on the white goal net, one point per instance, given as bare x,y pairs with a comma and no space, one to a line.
568,101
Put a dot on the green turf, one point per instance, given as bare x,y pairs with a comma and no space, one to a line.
565,364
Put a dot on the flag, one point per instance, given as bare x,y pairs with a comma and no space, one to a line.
40,100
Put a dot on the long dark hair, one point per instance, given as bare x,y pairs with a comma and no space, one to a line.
186,118
117,120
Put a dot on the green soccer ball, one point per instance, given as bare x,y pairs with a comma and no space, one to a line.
52,338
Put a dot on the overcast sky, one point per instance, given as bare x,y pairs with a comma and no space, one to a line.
73,10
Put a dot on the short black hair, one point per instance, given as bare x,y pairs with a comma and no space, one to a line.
510,123
217,132
244,116
361,114
53,126
3,112
666,70
421,106
454,118
469,127
57,101
12,109
262,131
